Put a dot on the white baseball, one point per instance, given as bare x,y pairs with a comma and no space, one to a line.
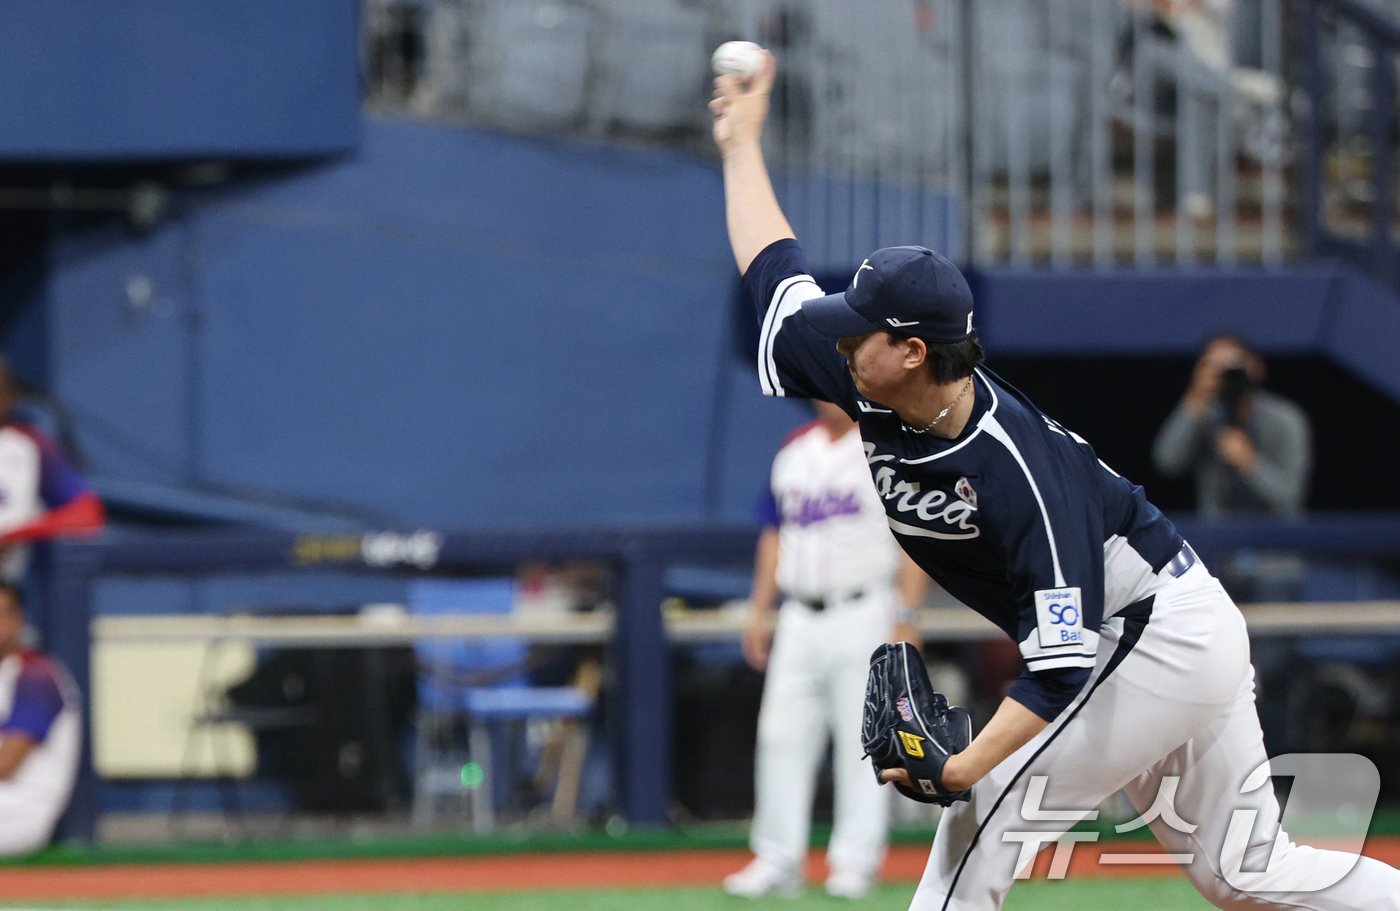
737,58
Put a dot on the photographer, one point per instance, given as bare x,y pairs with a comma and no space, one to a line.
1251,450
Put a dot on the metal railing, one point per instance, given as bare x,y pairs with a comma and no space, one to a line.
1351,55
1060,132
639,702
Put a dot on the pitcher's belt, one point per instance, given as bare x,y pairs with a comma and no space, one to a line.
1184,560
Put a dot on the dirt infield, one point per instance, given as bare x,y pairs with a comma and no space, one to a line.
497,873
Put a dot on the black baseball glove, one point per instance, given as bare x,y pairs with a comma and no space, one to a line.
909,726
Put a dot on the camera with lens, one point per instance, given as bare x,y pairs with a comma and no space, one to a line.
1235,385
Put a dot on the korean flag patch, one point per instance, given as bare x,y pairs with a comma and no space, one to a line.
1060,617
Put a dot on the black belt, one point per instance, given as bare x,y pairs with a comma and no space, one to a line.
821,604
1184,560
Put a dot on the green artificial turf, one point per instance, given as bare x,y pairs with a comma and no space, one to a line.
725,835
696,837
1070,895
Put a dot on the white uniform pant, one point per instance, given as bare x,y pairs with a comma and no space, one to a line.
1180,703
816,685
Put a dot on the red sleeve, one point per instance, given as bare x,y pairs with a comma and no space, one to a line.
82,514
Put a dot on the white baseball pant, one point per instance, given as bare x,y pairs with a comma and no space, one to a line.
815,686
1178,701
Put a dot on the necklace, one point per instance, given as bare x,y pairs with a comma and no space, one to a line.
944,413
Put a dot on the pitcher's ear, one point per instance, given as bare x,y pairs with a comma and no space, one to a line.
917,353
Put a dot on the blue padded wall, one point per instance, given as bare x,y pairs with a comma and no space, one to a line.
126,373
93,79
1167,311
1363,329
452,327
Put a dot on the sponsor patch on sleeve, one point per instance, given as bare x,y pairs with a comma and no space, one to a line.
1060,617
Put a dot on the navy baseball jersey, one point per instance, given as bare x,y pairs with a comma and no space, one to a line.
1017,517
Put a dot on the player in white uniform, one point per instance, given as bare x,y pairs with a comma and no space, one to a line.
41,495
1137,663
40,735
826,550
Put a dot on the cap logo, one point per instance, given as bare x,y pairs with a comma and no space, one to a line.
968,330
863,266
899,324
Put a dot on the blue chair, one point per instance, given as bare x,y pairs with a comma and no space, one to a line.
483,683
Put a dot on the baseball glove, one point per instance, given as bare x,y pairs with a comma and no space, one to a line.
909,726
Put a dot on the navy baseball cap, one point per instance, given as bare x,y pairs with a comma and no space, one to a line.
909,291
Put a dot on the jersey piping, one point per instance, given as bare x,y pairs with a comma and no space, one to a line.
998,433
1135,621
780,311
970,437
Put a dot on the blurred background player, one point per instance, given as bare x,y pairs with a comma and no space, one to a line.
846,588
40,736
41,495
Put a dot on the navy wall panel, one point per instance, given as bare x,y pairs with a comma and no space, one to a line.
1318,308
752,428
126,371
95,80
1363,329
1034,312
451,327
